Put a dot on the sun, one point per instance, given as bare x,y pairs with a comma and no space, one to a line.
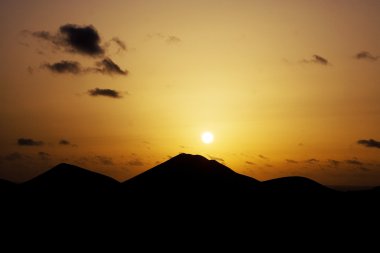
207,137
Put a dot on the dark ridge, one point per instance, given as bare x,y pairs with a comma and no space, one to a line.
65,178
294,185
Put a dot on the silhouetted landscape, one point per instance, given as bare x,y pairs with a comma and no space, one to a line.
182,178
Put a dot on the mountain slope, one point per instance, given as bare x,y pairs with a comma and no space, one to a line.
66,178
190,175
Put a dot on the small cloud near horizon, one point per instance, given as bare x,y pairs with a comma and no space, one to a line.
104,92
29,142
370,143
218,159
290,161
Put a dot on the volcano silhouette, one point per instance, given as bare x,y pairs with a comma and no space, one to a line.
190,175
65,178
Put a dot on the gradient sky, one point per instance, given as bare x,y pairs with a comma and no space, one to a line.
287,87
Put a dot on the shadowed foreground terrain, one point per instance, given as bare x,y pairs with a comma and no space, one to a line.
184,194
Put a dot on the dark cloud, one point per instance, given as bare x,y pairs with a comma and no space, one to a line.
64,142
354,162
250,163
104,92
333,163
371,143
44,156
105,160
64,67
107,66
318,60
290,161
364,55
14,157
75,39
312,161
82,39
216,158
173,39
136,162
119,43
29,142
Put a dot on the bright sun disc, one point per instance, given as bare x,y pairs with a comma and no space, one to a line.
207,137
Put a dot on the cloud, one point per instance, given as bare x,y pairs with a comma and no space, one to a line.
263,157
312,161
104,92
64,142
290,161
354,162
216,158
250,163
317,60
170,39
136,162
173,39
44,156
75,39
333,163
29,142
119,43
14,157
81,39
64,67
364,55
371,143
105,160
107,66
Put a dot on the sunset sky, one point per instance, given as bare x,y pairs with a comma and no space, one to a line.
286,87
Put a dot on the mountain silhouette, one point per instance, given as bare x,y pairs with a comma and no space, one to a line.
294,185
69,179
191,175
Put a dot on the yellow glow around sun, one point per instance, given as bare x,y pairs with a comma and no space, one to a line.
207,137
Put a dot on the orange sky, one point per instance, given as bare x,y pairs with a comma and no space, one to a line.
287,87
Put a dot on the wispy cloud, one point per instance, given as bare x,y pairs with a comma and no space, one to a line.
364,55
354,162
370,143
173,39
107,66
136,162
44,156
333,163
104,92
312,161
317,59
290,161
64,67
216,158
104,160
